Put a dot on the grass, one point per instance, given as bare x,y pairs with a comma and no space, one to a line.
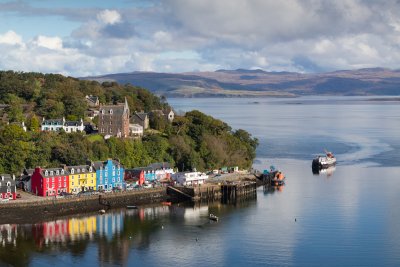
95,137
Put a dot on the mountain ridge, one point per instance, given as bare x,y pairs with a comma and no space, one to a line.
243,83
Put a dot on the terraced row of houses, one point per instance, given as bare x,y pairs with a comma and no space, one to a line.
101,175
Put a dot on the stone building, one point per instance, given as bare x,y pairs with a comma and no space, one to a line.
114,120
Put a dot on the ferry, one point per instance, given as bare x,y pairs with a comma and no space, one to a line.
322,162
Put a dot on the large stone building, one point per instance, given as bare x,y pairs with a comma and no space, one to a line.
114,120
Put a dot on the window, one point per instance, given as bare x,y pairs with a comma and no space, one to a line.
58,172
8,183
72,171
72,183
113,167
46,173
102,112
111,111
90,170
51,173
62,172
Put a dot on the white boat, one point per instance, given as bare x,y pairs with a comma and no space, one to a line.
322,162
213,217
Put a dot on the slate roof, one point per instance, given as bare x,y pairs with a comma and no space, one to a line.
53,122
141,115
54,170
97,164
160,166
80,168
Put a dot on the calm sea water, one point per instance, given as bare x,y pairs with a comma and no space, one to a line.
347,216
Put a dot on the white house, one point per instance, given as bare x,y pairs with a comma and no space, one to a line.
190,178
136,129
55,125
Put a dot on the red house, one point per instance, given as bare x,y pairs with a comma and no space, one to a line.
135,176
49,182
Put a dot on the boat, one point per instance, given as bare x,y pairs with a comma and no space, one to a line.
278,179
102,211
131,207
272,177
213,217
166,203
323,162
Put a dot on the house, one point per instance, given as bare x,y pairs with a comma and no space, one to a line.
134,176
169,115
92,101
7,187
109,175
136,130
52,125
91,113
114,120
162,170
25,180
142,119
190,178
81,178
49,182
55,125
74,126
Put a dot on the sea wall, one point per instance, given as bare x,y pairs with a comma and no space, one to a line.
35,211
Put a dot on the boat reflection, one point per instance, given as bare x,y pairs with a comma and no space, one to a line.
326,171
270,189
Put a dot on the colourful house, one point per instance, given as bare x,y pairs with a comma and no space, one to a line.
109,175
81,178
7,187
134,176
49,182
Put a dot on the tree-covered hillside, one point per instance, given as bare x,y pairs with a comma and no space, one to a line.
194,140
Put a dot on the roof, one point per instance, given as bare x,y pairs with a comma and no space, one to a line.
6,176
73,123
53,122
54,170
98,164
117,110
160,165
141,115
92,98
79,167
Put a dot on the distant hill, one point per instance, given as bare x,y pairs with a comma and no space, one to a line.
241,82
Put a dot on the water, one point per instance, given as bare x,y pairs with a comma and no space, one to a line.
347,216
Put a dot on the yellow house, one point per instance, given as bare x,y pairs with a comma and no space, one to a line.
81,178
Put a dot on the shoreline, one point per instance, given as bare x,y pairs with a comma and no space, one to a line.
33,209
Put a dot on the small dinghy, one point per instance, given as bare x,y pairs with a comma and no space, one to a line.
213,217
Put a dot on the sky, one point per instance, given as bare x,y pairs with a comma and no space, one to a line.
94,37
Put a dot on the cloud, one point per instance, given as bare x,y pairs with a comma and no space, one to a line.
109,17
54,43
187,35
10,38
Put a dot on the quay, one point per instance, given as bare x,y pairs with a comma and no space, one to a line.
32,208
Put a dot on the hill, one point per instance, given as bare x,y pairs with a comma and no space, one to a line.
194,140
240,82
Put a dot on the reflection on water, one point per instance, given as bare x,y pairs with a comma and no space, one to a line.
328,172
115,233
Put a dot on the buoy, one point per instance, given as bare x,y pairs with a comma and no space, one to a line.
295,219
162,226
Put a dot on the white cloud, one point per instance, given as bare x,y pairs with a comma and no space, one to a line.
54,43
187,35
109,16
10,38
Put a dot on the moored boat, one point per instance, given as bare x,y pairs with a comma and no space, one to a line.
322,162
131,207
213,217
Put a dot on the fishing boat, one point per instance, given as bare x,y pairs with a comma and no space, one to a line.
323,162
131,207
213,217
102,211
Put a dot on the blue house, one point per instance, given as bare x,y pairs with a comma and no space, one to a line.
109,175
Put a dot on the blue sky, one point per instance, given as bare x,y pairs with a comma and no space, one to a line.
93,37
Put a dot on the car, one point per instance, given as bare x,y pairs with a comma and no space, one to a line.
18,195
